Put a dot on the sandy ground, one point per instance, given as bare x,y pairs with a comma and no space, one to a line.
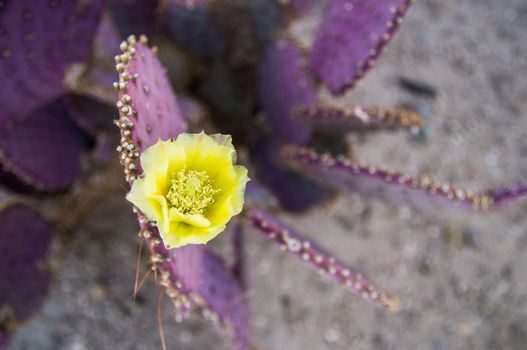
462,283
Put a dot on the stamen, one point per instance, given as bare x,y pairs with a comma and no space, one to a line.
191,191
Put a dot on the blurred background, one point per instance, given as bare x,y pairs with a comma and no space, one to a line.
462,64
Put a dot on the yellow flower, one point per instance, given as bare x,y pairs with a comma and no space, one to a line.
190,187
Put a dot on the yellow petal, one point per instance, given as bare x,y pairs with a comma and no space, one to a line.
153,159
239,192
205,153
214,156
199,236
196,220
181,234
148,205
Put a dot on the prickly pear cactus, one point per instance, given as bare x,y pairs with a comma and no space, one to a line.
253,80
192,276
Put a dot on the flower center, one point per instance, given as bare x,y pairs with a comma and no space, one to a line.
191,191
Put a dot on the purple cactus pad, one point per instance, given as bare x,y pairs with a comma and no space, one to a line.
24,241
340,119
38,41
154,110
352,35
283,85
204,274
194,276
319,259
44,148
421,192
508,194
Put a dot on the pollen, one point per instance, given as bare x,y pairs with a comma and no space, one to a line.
191,191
